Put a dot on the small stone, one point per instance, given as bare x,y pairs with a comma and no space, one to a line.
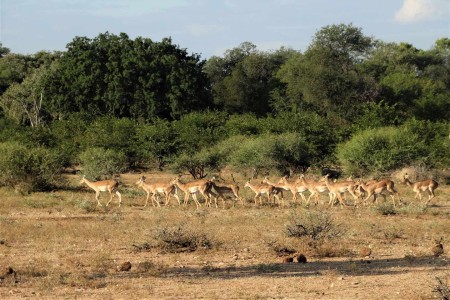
437,250
301,259
365,251
287,259
125,267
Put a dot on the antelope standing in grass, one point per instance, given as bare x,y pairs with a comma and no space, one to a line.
110,186
278,189
165,188
378,187
336,190
259,189
202,186
295,187
314,188
223,188
428,185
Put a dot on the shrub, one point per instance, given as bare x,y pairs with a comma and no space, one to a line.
254,152
198,163
380,150
317,226
386,209
38,168
442,289
100,163
179,239
246,124
111,133
155,143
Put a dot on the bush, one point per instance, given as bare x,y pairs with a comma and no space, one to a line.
155,143
179,239
380,150
442,289
37,168
99,163
111,133
318,227
254,152
286,153
246,124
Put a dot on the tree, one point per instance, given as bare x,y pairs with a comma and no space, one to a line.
3,50
156,142
24,102
243,79
116,76
326,78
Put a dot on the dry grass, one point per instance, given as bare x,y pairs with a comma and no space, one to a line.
61,246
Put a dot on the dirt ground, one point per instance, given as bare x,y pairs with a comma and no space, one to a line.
60,245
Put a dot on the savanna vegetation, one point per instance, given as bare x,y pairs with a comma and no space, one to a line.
111,104
348,105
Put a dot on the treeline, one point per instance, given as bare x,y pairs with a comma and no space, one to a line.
112,103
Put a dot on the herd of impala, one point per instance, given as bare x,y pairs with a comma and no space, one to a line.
210,188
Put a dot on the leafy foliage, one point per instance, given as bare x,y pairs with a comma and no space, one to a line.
35,168
380,150
99,163
116,76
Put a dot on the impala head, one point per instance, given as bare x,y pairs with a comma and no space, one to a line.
325,178
300,178
141,180
83,179
283,179
247,184
174,180
405,179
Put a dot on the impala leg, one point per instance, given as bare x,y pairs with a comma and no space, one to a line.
97,196
166,198
341,201
196,201
311,193
393,199
110,198
186,198
120,197
155,200
178,199
146,200
303,197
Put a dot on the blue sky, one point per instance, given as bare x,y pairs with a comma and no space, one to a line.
209,27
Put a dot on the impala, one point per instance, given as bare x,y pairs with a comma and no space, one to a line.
338,188
223,189
295,187
278,189
360,190
421,186
202,186
110,186
373,188
260,189
165,188
314,188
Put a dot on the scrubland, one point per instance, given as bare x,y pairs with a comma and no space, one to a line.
61,245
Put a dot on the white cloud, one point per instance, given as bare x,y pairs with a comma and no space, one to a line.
419,10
